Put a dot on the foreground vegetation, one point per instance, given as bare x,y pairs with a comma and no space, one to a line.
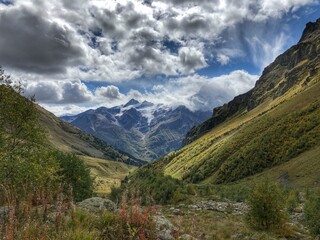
39,187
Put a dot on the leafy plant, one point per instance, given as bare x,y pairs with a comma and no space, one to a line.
312,213
76,174
266,207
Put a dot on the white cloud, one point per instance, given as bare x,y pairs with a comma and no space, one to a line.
198,92
124,39
65,42
63,92
191,59
194,91
223,59
110,92
264,52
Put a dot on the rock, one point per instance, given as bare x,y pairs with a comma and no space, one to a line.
162,223
186,237
97,204
3,213
226,207
165,234
177,212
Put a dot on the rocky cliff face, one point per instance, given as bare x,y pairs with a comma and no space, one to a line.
296,66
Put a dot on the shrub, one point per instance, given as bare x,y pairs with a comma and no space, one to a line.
76,174
292,200
266,207
156,188
312,213
132,222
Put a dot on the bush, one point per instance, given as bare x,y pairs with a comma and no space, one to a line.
76,174
312,213
266,207
131,223
156,188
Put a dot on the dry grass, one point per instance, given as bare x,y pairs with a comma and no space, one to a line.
108,173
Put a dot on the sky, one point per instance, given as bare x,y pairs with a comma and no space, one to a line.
82,54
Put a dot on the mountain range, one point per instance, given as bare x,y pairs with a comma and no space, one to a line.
145,130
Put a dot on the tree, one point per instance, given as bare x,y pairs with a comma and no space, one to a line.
23,159
266,207
75,174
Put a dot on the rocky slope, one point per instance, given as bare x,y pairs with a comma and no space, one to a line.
296,66
144,130
271,125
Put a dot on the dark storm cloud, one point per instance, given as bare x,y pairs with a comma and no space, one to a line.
31,43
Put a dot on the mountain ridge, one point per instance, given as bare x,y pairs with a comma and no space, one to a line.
67,138
145,130
251,99
271,124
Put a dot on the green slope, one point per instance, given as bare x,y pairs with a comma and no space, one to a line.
272,124
67,138
107,173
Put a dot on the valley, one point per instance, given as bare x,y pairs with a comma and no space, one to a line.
178,120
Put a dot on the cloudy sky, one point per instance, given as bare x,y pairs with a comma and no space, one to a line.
81,54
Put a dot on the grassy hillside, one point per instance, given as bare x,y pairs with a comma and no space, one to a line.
67,138
277,122
108,174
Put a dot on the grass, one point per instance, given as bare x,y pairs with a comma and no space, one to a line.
64,137
244,125
206,224
108,174
300,172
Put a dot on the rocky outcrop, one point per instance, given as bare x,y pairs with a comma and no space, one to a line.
296,66
97,204
235,208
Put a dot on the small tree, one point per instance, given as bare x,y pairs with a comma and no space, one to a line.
312,213
266,207
76,174
25,165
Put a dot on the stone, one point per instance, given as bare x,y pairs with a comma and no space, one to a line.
3,213
177,212
186,237
165,234
162,223
97,204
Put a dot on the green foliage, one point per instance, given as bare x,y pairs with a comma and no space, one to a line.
312,213
266,207
25,164
292,200
130,223
76,174
155,187
266,142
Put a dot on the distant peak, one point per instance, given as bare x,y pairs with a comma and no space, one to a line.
145,104
310,28
131,102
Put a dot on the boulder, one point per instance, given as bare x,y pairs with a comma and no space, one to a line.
162,222
97,204
165,234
